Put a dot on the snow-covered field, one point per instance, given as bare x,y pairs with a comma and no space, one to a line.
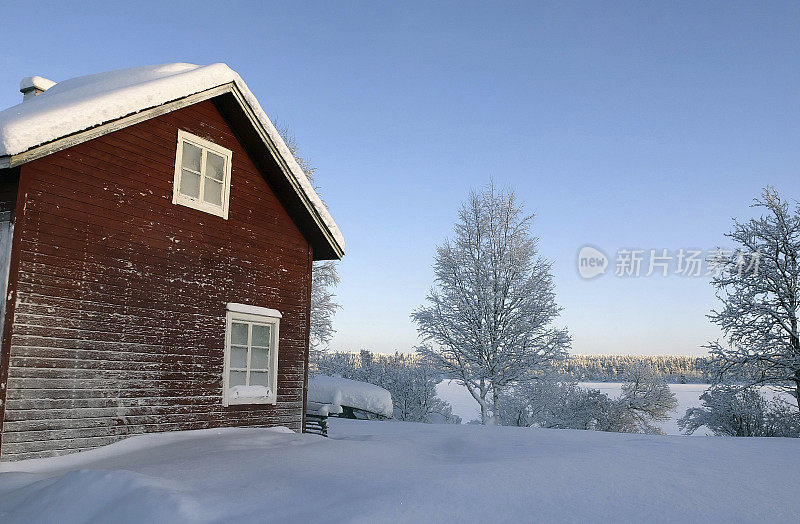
372,471
688,396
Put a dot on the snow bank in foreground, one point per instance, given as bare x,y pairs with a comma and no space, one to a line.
102,494
339,392
405,472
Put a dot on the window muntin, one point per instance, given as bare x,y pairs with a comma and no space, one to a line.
202,175
251,356
249,363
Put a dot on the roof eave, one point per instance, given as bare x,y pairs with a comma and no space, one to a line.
337,250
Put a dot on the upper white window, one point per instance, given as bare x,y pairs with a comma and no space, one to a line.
202,175
251,355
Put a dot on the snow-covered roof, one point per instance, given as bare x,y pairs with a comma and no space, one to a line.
338,392
78,104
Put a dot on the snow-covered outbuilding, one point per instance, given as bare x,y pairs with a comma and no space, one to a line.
341,397
156,248
337,395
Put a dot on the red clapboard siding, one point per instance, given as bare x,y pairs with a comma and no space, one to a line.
119,318
9,189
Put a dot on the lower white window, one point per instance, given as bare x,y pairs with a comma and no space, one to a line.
251,355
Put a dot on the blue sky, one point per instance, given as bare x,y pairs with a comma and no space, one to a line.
624,125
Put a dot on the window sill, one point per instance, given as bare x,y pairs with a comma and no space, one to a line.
194,203
246,401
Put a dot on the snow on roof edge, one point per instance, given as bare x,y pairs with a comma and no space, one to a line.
81,103
283,149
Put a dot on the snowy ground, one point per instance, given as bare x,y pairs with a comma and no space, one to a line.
372,471
688,396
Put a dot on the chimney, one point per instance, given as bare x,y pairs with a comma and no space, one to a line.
30,86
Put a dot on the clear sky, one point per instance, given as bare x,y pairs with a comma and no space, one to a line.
635,125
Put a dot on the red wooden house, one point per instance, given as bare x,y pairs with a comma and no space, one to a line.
156,249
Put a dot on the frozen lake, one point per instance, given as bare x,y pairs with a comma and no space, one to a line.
688,396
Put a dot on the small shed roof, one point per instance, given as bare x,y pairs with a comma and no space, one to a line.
79,109
335,392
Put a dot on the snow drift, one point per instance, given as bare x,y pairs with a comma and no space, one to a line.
407,472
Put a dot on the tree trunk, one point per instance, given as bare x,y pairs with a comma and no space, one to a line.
484,409
795,342
797,388
495,407
479,394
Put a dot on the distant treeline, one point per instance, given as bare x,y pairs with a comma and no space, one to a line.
678,369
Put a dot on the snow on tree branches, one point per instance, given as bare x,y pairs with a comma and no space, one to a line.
488,319
760,304
323,308
736,412
551,402
324,275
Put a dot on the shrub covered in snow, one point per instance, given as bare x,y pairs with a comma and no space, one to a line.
551,403
742,412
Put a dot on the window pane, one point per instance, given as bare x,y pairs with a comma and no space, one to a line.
215,166
237,378
190,184
258,378
238,357
213,192
259,358
191,156
238,334
260,335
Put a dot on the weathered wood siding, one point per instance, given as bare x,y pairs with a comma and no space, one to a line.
119,318
9,188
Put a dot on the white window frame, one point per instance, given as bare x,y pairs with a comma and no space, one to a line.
198,203
259,315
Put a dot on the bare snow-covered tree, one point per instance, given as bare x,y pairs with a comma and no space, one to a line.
760,292
488,322
323,307
646,398
741,412
324,276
